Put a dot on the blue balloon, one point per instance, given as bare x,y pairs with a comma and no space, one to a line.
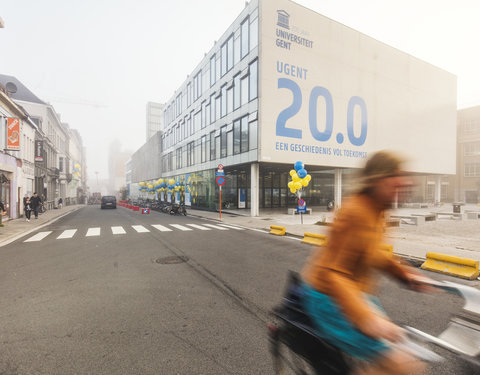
298,165
302,173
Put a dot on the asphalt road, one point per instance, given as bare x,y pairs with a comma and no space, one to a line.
152,301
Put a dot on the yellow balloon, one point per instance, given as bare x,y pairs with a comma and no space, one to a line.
308,177
292,172
141,183
171,181
293,190
290,184
298,185
295,177
150,186
304,182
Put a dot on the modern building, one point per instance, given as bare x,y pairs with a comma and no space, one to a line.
116,167
154,119
286,84
468,155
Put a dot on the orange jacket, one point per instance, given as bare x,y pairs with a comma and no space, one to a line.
344,268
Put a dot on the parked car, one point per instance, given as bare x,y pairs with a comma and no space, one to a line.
108,201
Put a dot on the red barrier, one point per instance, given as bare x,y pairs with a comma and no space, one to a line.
136,208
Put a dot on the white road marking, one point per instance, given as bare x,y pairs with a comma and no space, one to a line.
161,228
118,230
140,228
93,232
67,234
198,227
215,226
181,227
231,226
38,237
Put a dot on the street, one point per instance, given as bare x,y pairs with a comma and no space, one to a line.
116,292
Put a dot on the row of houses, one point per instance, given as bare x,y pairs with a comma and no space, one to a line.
38,152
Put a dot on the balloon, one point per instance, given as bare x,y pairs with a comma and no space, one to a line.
171,181
298,185
298,165
292,172
295,178
304,182
293,190
141,183
302,173
290,184
150,186
308,177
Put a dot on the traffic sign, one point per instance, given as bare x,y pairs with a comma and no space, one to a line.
220,172
301,206
220,166
220,180
145,210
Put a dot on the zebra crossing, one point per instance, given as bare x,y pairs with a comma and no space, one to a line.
120,230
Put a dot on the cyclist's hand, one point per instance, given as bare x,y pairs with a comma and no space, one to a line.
381,328
420,283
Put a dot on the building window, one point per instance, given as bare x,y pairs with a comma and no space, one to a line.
197,85
189,94
472,169
472,149
229,142
244,37
252,133
212,109
218,61
204,149
236,137
230,99
236,49
230,53
204,114
212,71
244,90
223,141
252,77
223,51
190,154
208,115
60,164
244,135
218,106
253,33
178,158
223,101
178,105
212,145
236,91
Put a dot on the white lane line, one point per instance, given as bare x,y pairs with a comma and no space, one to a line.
231,226
118,230
67,234
38,237
93,232
140,228
161,228
181,227
198,227
215,226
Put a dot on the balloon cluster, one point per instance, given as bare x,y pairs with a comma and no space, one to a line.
76,170
300,178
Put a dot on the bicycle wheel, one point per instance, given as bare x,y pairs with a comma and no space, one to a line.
296,352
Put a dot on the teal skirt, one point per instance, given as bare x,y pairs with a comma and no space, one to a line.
333,326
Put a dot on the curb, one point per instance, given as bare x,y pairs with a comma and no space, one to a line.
20,235
452,265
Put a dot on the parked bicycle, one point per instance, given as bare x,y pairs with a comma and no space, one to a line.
178,209
296,347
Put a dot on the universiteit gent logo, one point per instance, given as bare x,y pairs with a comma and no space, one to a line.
283,19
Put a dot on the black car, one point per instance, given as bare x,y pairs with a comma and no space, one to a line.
109,201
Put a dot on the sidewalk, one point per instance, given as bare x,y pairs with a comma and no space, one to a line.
459,238
16,228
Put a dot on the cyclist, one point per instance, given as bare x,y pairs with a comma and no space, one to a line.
338,280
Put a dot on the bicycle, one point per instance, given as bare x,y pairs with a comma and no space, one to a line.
41,208
297,349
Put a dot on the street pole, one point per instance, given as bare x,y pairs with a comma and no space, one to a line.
220,202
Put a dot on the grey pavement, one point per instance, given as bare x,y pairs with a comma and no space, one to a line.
453,237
